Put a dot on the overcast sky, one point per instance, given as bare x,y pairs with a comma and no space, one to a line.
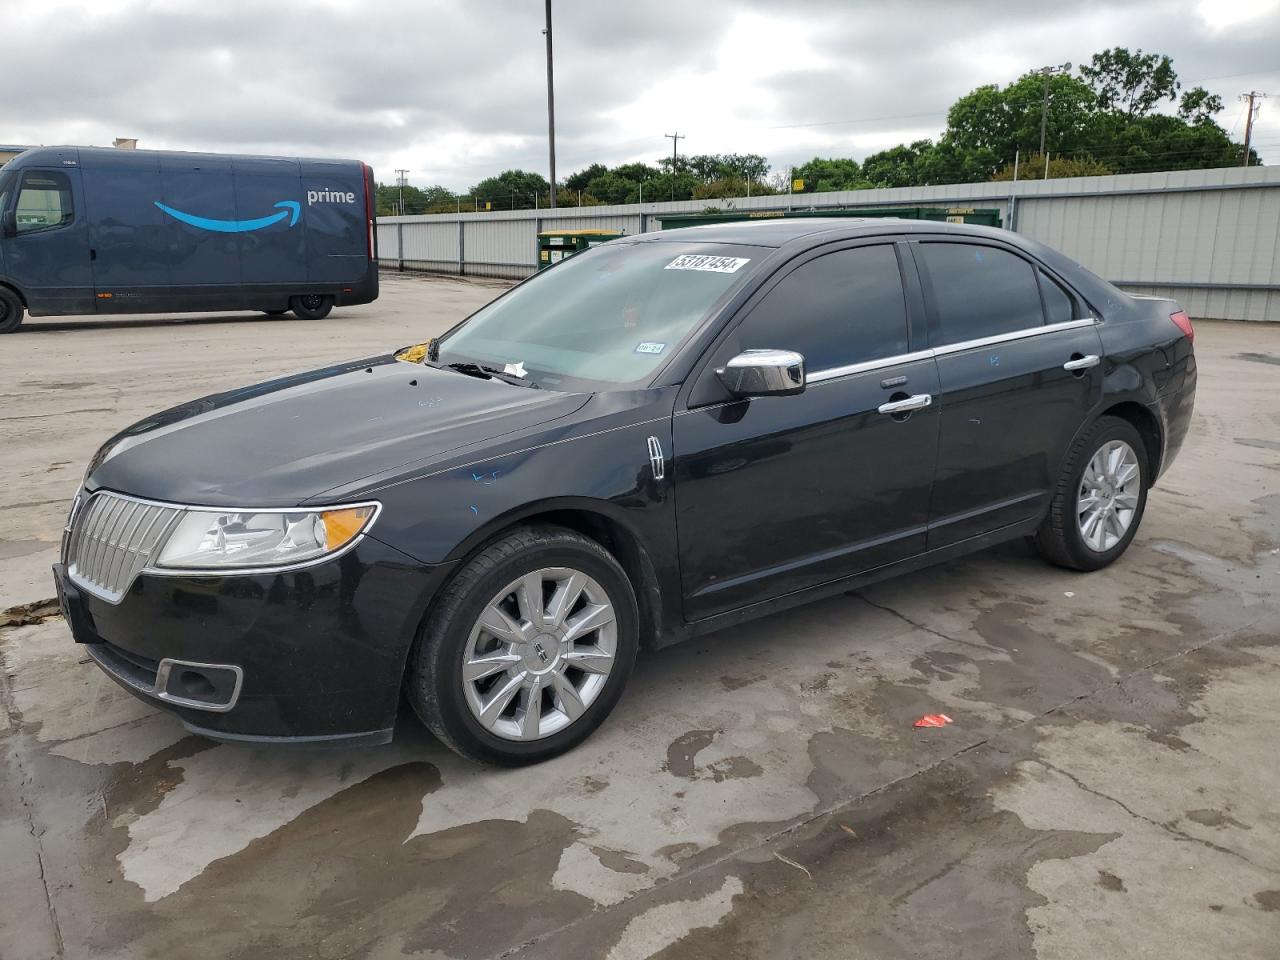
456,90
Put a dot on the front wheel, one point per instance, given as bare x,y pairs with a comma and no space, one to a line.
1099,500
11,311
311,306
528,648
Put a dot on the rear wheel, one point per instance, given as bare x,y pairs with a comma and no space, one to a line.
528,648
1099,500
311,306
11,311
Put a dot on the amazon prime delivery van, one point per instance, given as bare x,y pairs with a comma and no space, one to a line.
95,230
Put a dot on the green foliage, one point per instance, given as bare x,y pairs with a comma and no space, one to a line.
1032,167
1132,83
1198,106
579,180
821,175
513,190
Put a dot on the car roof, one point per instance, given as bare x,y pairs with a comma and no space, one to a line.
777,231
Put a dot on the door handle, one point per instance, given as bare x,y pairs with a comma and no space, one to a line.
917,402
1082,363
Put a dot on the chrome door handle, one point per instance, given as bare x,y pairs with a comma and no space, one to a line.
1084,363
917,402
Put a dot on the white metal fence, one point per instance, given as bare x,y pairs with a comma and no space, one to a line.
1209,238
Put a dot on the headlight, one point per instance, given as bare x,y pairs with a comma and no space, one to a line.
218,539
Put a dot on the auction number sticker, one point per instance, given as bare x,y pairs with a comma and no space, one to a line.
650,346
701,261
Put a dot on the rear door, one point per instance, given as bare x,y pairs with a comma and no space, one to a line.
1019,367
48,256
777,494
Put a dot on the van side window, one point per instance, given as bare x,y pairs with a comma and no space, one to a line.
44,201
979,291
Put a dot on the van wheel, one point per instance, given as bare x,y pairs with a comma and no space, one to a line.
527,649
1099,500
11,311
311,306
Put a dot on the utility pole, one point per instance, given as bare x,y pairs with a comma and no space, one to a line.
1253,96
551,107
674,138
400,182
1048,72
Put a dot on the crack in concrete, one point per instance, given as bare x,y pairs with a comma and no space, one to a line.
920,626
28,810
1166,827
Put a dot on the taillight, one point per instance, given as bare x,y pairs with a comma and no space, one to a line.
1184,324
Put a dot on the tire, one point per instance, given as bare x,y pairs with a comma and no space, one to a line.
275,313
11,311
1074,509
311,306
535,663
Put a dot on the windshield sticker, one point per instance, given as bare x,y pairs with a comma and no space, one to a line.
701,261
650,346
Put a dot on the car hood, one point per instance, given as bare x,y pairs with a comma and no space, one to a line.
289,440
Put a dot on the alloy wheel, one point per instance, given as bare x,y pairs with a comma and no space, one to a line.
1108,497
540,654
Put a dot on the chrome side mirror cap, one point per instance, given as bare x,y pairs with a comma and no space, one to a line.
764,373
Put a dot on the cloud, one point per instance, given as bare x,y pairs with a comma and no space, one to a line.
455,91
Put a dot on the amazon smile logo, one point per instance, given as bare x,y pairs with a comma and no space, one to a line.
292,210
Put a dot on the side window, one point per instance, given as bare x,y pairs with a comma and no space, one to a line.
1058,307
840,308
979,291
44,201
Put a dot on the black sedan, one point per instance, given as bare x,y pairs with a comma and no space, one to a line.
662,436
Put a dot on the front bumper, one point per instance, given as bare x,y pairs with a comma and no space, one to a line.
311,654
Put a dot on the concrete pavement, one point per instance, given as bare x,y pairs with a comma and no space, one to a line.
1107,788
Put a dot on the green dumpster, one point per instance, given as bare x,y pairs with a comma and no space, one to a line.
555,245
984,216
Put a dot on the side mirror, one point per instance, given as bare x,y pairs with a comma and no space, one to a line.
9,223
764,373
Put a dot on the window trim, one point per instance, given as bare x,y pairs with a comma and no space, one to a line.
17,198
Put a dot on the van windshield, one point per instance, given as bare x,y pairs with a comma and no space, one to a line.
608,316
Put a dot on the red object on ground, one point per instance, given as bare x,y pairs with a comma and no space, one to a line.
933,720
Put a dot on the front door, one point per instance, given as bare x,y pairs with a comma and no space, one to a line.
1020,371
47,257
776,494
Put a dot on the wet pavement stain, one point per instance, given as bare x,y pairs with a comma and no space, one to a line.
683,750
1109,881
340,879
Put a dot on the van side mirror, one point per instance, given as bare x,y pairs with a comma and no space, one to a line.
764,373
9,223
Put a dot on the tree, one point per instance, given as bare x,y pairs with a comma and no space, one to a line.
831,173
1198,106
1131,82
512,189
579,180
1031,167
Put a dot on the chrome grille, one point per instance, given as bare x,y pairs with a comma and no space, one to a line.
112,539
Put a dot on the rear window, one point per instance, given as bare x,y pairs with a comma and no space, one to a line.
978,291
607,316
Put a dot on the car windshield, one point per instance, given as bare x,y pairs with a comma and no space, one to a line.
607,316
